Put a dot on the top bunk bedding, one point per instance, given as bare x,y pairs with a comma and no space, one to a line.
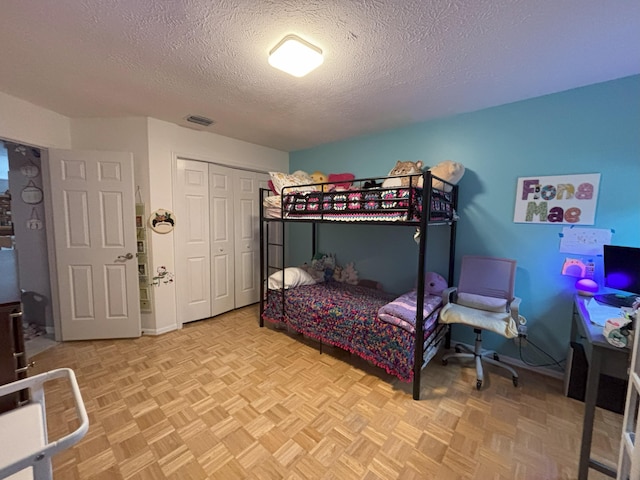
365,200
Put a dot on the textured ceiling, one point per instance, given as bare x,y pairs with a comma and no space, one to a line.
388,63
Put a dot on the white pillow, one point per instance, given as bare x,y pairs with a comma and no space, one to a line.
293,277
281,180
480,302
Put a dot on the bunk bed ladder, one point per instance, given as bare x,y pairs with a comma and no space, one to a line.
266,264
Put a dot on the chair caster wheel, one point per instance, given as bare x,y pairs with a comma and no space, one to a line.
478,384
515,381
445,362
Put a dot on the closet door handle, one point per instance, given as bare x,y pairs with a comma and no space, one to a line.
128,256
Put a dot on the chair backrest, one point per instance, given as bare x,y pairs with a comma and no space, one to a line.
488,276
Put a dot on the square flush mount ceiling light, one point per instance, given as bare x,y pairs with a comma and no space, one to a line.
295,56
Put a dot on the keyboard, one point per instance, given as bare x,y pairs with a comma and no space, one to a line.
615,300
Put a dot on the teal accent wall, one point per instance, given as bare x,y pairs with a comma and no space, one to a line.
593,129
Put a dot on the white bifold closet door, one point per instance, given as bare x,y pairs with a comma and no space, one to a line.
247,235
217,250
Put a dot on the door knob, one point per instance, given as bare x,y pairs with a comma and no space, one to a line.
128,256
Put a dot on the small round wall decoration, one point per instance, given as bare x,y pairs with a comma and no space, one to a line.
31,194
30,170
162,221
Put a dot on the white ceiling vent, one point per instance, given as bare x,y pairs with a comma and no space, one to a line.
204,121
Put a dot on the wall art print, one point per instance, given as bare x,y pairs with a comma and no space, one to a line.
558,199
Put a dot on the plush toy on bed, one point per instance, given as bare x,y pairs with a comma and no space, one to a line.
448,171
403,168
319,177
324,265
346,274
434,283
341,181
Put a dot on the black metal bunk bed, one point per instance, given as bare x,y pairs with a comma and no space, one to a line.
407,206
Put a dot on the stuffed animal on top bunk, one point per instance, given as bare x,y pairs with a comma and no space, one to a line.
319,177
341,181
449,171
403,168
334,181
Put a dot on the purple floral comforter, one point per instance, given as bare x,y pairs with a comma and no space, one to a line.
346,316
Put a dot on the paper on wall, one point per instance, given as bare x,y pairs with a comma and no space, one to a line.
584,241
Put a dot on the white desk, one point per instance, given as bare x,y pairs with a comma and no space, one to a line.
603,358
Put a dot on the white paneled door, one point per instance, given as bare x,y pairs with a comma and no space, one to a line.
193,266
247,236
93,209
217,255
222,238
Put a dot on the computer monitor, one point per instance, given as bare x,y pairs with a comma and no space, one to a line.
621,272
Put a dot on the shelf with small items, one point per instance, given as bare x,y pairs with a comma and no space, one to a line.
142,255
6,224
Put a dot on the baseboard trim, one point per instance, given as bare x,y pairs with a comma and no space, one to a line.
159,331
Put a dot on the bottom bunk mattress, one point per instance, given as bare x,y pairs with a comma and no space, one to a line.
346,316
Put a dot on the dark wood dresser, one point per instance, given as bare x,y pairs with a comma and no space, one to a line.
13,358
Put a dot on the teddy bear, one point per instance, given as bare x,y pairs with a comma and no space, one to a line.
404,168
448,171
319,177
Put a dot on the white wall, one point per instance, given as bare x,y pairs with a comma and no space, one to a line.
26,123
166,143
155,146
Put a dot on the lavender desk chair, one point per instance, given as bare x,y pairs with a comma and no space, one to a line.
483,300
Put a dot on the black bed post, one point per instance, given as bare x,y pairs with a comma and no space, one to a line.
452,254
314,245
418,349
263,254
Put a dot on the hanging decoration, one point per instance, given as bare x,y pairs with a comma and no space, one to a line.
34,223
30,169
31,194
162,221
21,149
162,276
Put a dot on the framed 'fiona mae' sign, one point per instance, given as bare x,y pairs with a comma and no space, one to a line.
561,199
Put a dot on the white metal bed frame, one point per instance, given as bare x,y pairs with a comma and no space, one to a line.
25,450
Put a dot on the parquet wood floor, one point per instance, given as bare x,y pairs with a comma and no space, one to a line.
225,399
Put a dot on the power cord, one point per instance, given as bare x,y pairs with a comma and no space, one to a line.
558,363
